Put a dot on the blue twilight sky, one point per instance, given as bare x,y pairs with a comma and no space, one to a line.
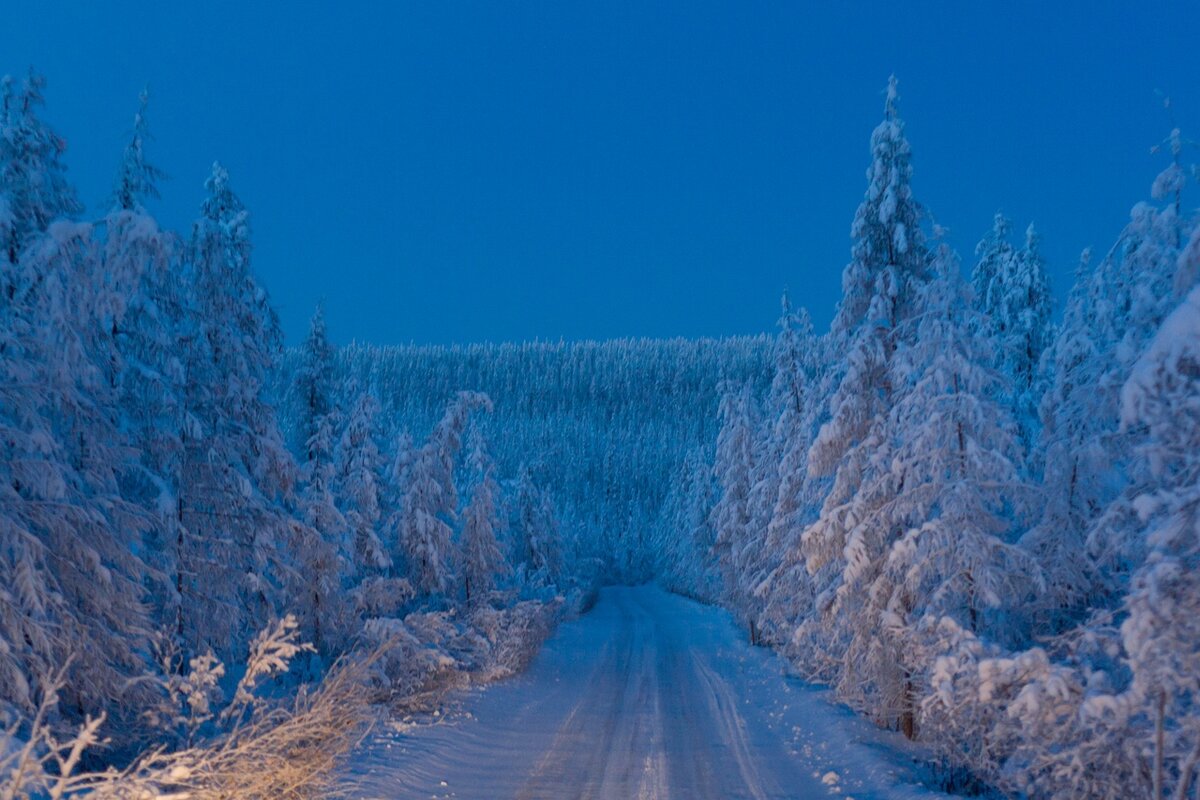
449,172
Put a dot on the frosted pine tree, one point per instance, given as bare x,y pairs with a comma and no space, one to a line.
358,463
143,261
431,500
1132,293
789,589
34,178
1072,455
312,384
882,289
68,536
326,555
1161,634
1019,308
482,560
236,471
733,469
992,255
137,178
951,483
538,547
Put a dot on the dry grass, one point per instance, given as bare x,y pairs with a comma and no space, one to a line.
292,753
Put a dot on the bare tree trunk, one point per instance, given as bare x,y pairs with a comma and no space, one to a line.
1159,744
1185,775
908,717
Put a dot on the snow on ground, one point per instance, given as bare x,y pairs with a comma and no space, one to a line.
649,696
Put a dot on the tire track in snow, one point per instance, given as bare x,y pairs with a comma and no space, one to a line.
648,697
731,727
597,751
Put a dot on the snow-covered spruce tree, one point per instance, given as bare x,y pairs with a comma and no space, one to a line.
430,501
1088,457
34,178
882,295
992,255
538,543
1013,295
326,554
733,468
685,544
358,464
67,533
138,254
483,562
234,532
795,402
1021,319
312,384
137,178
952,481
1071,454
1161,634
1136,290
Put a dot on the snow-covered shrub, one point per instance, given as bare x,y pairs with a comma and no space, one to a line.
250,749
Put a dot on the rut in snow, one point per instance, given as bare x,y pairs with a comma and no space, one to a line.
648,696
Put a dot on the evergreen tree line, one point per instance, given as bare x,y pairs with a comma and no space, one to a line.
602,427
978,526
152,515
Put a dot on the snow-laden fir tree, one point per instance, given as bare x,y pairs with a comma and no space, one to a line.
736,543
358,464
992,254
144,262
428,510
538,543
483,561
951,477
796,401
236,471
312,384
1071,455
36,190
68,536
1019,309
327,553
1089,457
1161,634
1012,295
882,293
137,178
685,545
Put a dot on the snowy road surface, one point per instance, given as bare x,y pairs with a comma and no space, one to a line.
648,696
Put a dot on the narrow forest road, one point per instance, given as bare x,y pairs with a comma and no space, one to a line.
647,696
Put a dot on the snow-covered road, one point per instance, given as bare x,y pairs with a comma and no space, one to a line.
649,695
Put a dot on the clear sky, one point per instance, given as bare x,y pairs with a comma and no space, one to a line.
449,172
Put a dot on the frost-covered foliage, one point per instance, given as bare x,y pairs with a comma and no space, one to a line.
483,563
152,515
985,528
979,527
1013,296
603,428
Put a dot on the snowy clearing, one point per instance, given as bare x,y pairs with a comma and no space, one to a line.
650,695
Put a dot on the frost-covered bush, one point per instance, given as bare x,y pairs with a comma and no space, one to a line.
246,747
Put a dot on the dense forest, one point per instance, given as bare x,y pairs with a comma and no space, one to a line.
970,513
